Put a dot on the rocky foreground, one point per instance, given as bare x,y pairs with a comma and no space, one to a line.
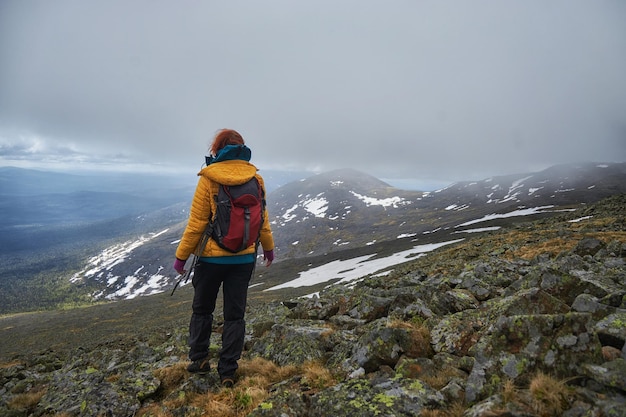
524,322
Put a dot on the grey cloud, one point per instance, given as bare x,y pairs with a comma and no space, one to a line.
450,90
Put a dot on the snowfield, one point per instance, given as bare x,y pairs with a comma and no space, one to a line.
355,268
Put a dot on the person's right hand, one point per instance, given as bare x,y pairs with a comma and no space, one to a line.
179,266
268,257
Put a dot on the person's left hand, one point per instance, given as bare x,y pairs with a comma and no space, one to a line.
268,257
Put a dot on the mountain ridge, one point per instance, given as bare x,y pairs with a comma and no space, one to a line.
327,216
394,212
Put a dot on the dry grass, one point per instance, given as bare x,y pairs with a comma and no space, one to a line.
316,376
456,409
594,223
440,379
551,246
510,393
171,376
529,244
7,365
542,242
113,378
400,324
546,396
418,329
264,370
27,400
236,402
255,378
549,395
420,337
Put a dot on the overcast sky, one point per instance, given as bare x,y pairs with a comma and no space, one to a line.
437,91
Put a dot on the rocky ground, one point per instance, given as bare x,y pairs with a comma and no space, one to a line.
529,321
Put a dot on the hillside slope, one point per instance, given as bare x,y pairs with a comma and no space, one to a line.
523,320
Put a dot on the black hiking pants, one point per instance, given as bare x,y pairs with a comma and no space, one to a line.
207,279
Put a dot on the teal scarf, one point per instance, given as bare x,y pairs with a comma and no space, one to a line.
229,153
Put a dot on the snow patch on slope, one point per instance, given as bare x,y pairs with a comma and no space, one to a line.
351,269
100,268
384,202
521,212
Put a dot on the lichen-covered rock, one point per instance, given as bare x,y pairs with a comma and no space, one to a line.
340,345
460,300
559,280
589,246
610,374
265,316
422,368
586,303
612,330
346,322
518,346
365,398
457,333
284,403
370,308
314,308
479,289
292,344
407,306
382,344
86,388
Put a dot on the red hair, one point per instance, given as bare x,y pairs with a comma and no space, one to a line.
225,137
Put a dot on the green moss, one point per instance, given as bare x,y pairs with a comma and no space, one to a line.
384,399
521,366
266,406
360,404
417,386
462,295
380,342
357,403
243,400
619,323
417,321
360,384
495,380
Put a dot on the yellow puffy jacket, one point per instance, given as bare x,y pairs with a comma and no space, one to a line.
203,208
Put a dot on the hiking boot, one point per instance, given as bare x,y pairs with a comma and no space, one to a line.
200,367
228,381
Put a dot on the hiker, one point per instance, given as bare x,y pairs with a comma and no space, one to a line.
228,164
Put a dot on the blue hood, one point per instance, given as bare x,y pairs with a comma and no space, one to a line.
229,153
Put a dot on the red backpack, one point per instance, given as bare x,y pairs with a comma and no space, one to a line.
237,223
239,216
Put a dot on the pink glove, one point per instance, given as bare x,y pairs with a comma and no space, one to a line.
268,256
179,266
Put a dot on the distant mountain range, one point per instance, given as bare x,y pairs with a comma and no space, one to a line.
347,209
72,239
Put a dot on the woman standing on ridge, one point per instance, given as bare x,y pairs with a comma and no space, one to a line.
228,164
